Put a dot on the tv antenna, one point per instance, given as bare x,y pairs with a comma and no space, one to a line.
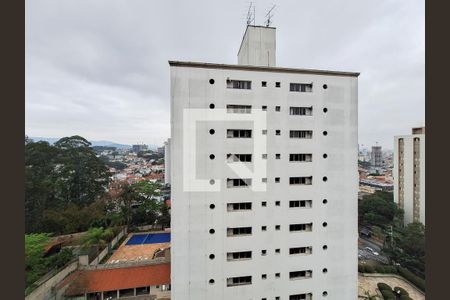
251,14
269,16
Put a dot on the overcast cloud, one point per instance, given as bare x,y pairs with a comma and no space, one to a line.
99,68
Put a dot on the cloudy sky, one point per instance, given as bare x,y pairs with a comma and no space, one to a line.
98,68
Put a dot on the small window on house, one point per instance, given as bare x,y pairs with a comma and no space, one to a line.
277,203
300,274
277,156
300,203
264,107
264,83
264,180
277,275
300,227
239,231
239,158
277,179
300,157
239,84
300,297
300,250
264,276
277,132
301,134
277,227
242,255
300,111
263,252
264,228
263,203
300,180
277,84
277,108
264,131
300,87
239,109
239,133
238,182
277,251
239,206
242,280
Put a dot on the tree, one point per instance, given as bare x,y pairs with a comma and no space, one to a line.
379,209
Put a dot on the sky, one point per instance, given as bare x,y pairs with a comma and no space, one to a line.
100,69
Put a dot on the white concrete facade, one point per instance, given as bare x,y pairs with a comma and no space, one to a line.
409,176
333,260
258,47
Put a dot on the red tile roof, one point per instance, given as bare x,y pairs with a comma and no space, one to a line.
88,281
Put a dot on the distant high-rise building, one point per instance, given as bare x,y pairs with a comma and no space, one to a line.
167,166
376,157
409,175
139,147
288,231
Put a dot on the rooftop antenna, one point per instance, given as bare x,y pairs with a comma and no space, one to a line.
269,16
251,14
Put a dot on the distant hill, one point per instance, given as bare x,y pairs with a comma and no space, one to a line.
94,143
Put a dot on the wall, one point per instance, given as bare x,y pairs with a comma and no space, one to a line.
258,47
108,248
44,291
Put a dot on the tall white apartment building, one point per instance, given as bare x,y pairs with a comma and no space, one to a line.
264,178
409,175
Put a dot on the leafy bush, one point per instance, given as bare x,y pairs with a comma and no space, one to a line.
400,291
369,269
408,275
383,286
388,294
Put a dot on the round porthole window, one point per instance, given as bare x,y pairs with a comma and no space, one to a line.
212,206
212,106
324,224
212,231
325,86
212,256
324,270
212,156
325,133
211,81
324,178
212,181
324,201
325,109
211,281
325,155
325,294
212,131
324,247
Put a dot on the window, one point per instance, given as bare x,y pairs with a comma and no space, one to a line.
277,108
239,231
277,179
300,111
264,83
264,131
264,276
264,156
242,255
277,227
277,203
239,109
239,206
264,107
300,274
300,87
277,132
238,182
277,275
264,180
300,227
239,84
264,228
277,84
277,251
239,157
264,203
239,133
301,134
300,250
277,156
300,297
300,180
243,280
300,157
300,203
263,252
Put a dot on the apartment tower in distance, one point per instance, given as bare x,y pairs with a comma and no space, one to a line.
409,175
263,208
376,156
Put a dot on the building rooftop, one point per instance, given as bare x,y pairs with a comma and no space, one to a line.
259,68
90,281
